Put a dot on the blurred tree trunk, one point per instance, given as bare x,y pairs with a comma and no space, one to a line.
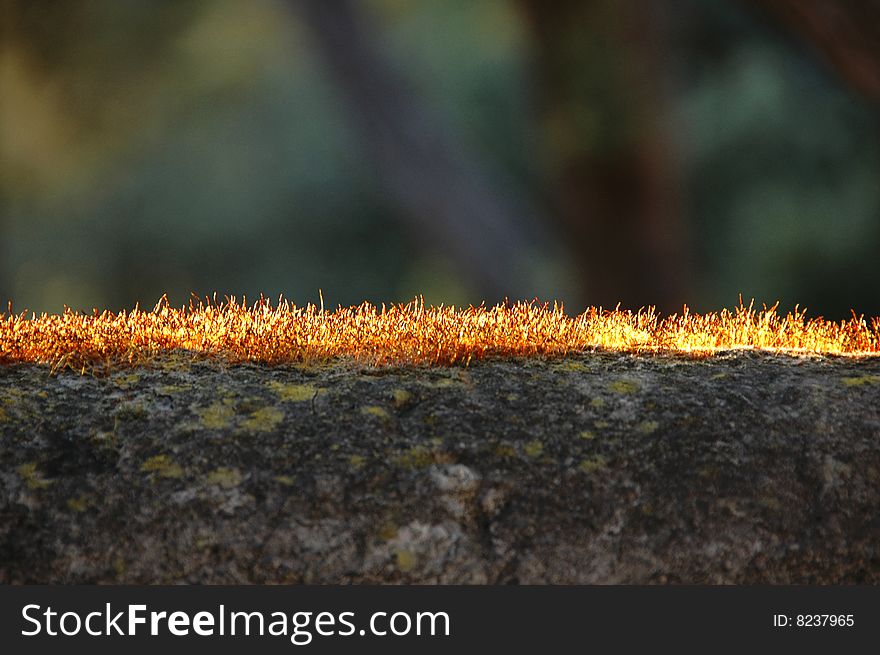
450,198
845,32
600,70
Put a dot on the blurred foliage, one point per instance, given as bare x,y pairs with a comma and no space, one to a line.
784,169
199,146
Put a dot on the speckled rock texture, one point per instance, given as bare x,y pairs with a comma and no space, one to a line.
596,468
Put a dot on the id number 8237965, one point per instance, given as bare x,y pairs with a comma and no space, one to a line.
813,620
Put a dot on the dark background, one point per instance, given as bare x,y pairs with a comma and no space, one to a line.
603,151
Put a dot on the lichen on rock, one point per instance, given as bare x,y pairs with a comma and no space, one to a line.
597,468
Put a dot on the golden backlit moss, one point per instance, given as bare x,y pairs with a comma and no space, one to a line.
406,334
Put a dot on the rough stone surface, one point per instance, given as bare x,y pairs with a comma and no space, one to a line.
597,468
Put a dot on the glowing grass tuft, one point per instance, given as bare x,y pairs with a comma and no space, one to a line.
406,333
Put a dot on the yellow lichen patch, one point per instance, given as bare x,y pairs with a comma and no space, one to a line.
375,410
593,464
504,450
32,478
771,503
415,457
624,386
708,472
405,559
597,402
264,419
293,393
126,381
588,435
217,415
861,380
419,457
79,503
533,448
133,409
647,427
572,366
163,466
18,403
224,477
171,389
357,461
285,480
441,383
11,395
105,438
174,360
401,398
719,376
387,532
601,425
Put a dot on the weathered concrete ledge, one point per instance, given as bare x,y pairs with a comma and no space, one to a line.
600,468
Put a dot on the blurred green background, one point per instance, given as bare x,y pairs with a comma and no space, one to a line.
587,152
